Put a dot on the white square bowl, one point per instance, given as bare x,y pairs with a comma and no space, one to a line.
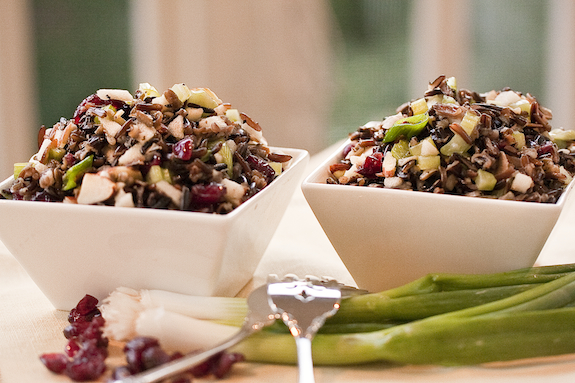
73,250
387,237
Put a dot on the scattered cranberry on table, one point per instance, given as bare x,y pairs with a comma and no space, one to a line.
85,353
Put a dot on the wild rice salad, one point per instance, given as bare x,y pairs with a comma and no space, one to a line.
184,149
498,144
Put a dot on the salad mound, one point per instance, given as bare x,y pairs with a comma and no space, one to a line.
183,150
498,144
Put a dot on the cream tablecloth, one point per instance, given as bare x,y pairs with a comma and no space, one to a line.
29,325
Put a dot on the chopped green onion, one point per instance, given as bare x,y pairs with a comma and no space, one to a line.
74,173
406,127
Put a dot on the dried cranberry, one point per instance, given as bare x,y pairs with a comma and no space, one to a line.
85,104
87,347
85,310
261,166
183,149
87,305
219,365
88,364
347,148
94,332
44,196
203,368
548,148
207,194
225,362
372,165
121,373
71,348
69,159
153,357
55,362
181,379
73,330
134,349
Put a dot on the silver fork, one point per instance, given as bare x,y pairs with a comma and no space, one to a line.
304,305
260,314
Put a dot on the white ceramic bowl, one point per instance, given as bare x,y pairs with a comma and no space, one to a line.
73,250
388,237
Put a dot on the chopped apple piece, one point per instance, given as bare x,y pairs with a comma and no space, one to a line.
132,156
170,191
176,127
111,128
95,188
123,199
115,94
521,182
234,191
141,132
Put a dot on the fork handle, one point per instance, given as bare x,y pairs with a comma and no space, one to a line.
304,359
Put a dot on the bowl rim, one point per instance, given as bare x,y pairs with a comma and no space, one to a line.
298,158
313,181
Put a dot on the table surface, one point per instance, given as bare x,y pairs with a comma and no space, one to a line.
30,326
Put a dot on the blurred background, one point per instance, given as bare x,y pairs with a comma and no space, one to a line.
309,71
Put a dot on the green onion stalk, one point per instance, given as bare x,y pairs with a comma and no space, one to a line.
527,313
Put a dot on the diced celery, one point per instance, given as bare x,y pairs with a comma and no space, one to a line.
211,145
148,90
74,173
519,139
18,166
416,150
456,145
470,121
522,104
202,98
562,135
227,157
428,162
56,154
155,174
400,149
167,175
110,108
435,99
277,167
485,180
452,83
419,106
233,115
182,91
